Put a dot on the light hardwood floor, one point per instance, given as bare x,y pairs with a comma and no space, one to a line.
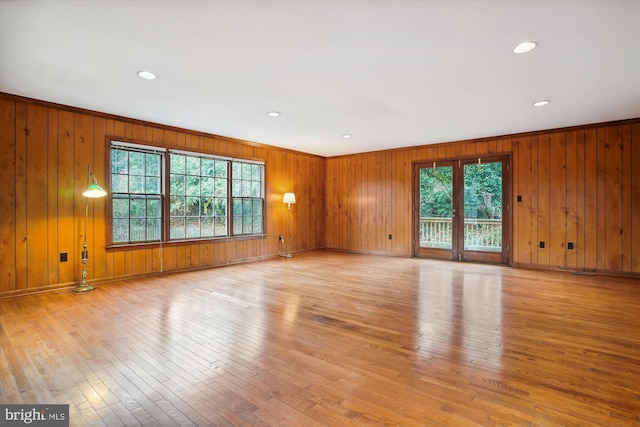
332,339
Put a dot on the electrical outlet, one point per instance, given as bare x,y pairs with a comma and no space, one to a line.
541,245
390,236
64,257
519,198
570,245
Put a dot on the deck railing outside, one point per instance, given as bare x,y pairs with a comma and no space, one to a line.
480,234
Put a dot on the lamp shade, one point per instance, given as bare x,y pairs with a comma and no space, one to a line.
289,198
94,191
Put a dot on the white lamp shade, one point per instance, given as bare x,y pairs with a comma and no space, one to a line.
94,191
289,198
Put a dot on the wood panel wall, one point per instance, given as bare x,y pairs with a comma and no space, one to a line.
44,153
582,186
579,185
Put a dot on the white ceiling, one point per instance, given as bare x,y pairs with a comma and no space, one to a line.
392,73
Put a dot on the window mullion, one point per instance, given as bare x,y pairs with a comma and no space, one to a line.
230,199
166,218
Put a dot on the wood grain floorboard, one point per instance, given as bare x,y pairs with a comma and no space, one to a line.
332,339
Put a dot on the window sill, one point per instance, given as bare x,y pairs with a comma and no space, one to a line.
151,245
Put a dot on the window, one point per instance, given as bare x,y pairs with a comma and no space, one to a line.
207,196
136,195
198,196
247,198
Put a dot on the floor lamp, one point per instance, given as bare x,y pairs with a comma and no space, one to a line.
94,191
289,199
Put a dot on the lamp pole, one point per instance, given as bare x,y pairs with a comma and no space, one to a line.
288,198
84,286
93,191
289,254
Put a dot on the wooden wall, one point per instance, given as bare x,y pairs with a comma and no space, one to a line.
583,186
44,153
579,185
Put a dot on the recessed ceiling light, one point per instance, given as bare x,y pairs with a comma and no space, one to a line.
346,136
541,103
273,114
525,47
147,75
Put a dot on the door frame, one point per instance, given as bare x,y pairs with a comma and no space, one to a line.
418,251
457,252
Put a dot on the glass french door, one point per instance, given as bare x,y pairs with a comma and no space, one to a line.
461,210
